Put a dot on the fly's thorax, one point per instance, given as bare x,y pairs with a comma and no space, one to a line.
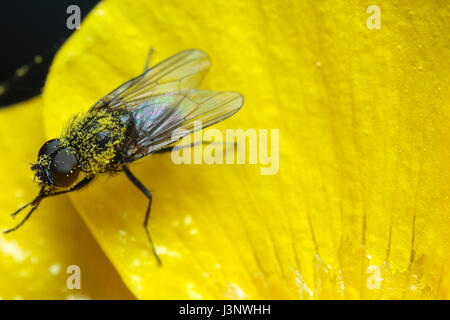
97,140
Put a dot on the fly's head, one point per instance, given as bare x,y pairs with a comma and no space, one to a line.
57,166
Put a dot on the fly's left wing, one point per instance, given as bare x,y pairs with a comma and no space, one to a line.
165,119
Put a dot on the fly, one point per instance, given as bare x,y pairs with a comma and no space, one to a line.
148,114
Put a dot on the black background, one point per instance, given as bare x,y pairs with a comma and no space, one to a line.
32,28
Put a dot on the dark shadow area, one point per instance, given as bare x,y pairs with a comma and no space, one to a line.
32,32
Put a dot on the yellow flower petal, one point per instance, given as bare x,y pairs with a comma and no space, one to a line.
35,258
359,207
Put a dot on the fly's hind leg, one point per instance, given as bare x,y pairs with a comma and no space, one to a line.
177,147
147,193
147,62
191,145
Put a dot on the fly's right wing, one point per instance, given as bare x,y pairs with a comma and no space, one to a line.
181,72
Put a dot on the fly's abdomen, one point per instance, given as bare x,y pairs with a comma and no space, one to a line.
97,140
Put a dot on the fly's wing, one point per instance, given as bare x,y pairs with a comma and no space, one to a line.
181,72
165,119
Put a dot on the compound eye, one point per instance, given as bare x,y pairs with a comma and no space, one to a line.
49,147
64,168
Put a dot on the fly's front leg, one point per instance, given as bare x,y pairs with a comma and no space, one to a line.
76,187
42,195
147,193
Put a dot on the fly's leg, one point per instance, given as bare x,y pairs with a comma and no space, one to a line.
191,145
76,187
35,204
177,147
147,193
42,195
147,62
